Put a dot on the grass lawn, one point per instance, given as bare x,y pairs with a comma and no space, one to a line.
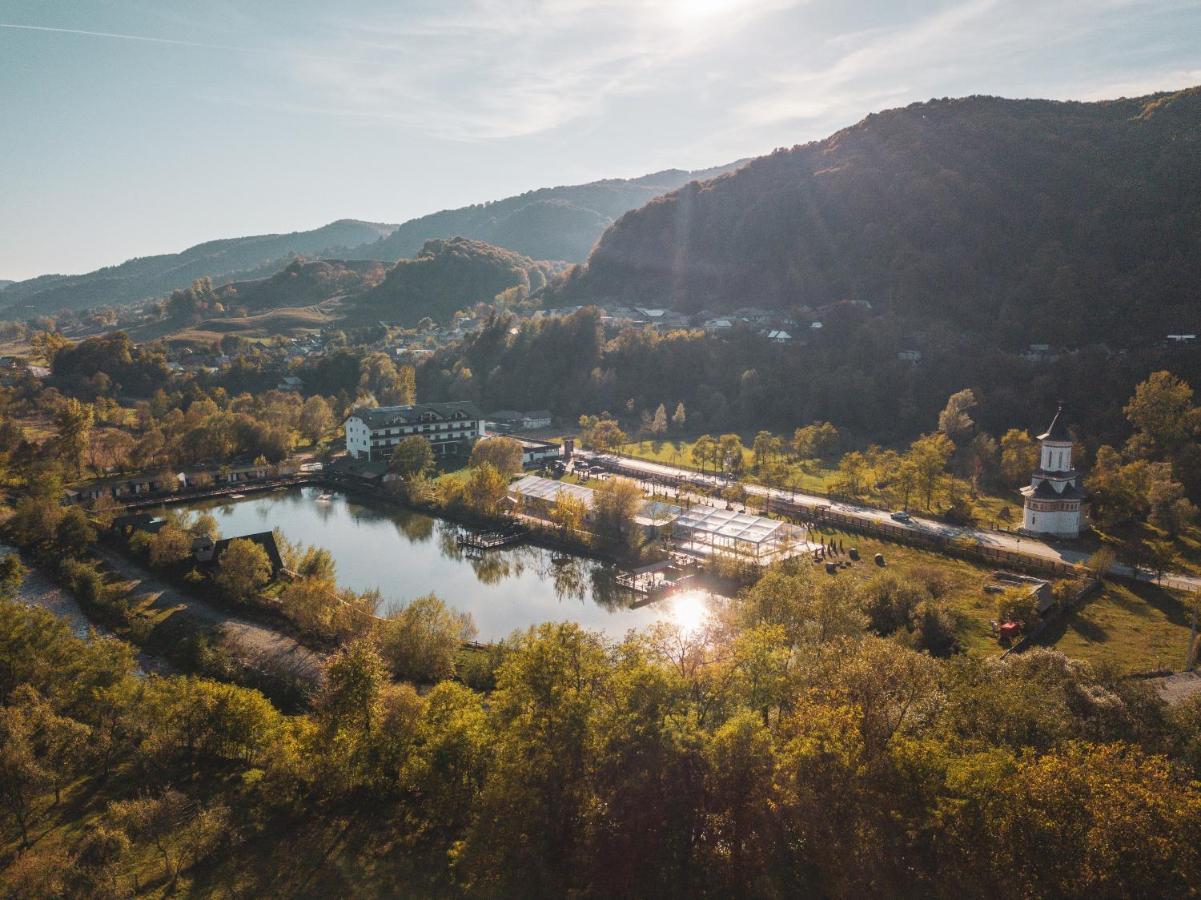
963,582
814,476
1137,628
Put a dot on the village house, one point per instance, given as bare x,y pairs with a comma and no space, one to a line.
535,454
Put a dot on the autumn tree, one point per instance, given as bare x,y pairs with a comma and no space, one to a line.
504,453
955,420
485,490
316,418
421,640
679,418
242,569
1019,456
615,502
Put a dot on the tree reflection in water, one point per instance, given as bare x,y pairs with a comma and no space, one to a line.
415,527
606,593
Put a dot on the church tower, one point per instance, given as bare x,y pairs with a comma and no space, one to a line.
1054,501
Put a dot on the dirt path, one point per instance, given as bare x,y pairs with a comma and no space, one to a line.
1178,687
37,589
248,642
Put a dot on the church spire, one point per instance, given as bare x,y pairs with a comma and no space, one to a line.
1058,429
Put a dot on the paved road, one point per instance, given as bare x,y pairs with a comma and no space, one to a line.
1026,546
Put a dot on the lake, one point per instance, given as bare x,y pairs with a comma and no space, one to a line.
407,554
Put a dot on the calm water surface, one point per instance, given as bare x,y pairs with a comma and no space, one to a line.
407,554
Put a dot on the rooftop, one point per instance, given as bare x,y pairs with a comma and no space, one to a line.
539,488
384,416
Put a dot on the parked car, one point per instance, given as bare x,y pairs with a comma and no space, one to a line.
901,516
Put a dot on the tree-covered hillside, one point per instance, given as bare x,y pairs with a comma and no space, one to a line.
151,276
449,275
1028,220
551,223
302,283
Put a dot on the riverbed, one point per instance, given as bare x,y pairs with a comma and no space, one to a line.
406,554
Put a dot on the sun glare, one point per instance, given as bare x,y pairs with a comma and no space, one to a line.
702,9
689,611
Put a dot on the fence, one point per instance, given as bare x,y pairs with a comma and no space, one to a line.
974,551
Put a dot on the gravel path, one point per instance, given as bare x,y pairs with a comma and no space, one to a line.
250,643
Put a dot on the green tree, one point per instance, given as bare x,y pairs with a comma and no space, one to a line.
704,451
412,457
73,433
1162,411
731,454
74,534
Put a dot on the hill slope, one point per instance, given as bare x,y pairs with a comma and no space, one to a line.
551,223
447,276
151,276
1027,220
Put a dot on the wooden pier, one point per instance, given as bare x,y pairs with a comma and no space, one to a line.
492,540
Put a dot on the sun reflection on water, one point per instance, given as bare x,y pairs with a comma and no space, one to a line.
689,611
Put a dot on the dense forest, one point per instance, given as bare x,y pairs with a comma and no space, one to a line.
744,381
784,752
1026,221
150,276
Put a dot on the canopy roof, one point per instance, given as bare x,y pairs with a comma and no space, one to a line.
729,524
539,488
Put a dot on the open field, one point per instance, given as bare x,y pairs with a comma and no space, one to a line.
285,321
962,582
1137,628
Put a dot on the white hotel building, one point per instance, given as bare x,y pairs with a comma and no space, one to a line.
453,427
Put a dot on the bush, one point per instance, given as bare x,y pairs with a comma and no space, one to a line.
934,629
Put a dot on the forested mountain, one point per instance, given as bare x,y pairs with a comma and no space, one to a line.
1026,220
559,223
449,275
550,223
151,276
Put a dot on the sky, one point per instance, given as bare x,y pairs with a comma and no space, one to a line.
131,128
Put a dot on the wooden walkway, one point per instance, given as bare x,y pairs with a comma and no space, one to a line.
492,540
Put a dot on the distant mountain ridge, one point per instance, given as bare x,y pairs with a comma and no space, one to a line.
1026,220
151,276
561,223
